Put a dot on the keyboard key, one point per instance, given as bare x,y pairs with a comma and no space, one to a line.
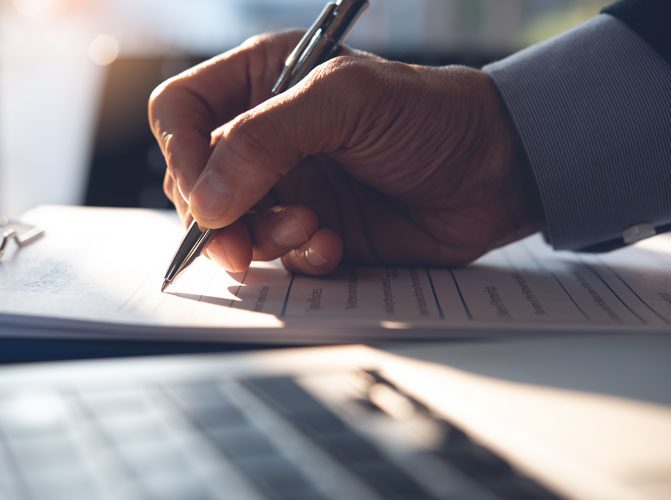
114,474
201,395
34,415
53,454
518,487
391,482
474,460
73,485
33,429
350,449
166,486
241,443
114,403
275,475
66,492
318,424
226,417
285,395
153,458
139,428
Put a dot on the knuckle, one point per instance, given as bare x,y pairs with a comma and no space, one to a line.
350,82
348,89
345,70
256,40
272,38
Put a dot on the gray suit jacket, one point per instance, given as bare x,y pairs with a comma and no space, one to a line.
593,109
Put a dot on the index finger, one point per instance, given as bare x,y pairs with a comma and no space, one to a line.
184,110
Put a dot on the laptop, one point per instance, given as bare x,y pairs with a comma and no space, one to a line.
545,418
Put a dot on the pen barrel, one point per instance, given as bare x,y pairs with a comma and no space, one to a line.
320,42
291,63
347,13
192,245
320,49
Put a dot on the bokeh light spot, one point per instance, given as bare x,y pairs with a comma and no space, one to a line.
103,49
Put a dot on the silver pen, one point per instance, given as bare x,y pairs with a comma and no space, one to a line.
319,44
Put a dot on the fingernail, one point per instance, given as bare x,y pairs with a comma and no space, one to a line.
288,232
211,196
314,258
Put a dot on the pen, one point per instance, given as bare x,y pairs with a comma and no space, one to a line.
318,44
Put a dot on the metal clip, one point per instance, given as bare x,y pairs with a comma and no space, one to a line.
22,234
291,65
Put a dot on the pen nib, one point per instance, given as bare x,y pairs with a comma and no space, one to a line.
165,285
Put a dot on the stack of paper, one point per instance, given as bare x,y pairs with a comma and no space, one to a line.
99,272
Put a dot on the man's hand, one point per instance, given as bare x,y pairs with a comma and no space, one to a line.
365,159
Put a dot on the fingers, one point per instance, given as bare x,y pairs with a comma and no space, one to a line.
231,248
184,110
262,145
182,126
235,166
291,233
319,256
278,230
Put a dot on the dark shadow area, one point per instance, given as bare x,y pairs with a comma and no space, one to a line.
19,349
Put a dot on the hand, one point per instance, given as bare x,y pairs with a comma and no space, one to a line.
365,160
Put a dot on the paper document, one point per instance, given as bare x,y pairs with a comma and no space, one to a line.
99,272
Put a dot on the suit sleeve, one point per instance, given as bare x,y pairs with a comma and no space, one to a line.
650,19
593,110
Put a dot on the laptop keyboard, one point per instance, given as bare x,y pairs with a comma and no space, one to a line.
252,438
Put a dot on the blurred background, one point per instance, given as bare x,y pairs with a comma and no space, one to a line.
75,75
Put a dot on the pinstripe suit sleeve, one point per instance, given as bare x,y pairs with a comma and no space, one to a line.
593,109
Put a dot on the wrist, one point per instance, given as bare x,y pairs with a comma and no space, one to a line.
505,155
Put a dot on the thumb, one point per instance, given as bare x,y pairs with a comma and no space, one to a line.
260,146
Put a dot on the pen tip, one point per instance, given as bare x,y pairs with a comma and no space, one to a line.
165,285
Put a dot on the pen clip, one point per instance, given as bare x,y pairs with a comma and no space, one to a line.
345,17
297,54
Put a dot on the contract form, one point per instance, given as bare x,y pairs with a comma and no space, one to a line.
84,278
